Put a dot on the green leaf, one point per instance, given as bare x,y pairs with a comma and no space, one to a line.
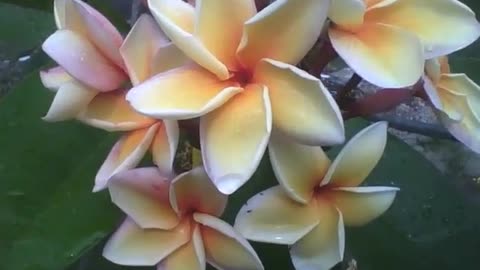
48,214
431,224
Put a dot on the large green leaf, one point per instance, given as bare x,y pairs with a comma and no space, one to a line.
48,214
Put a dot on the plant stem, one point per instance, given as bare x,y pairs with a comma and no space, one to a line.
326,55
347,89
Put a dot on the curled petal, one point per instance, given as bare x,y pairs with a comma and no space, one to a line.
164,146
224,247
298,168
194,191
384,55
347,13
181,93
360,205
323,247
433,70
143,195
466,131
301,105
110,111
177,11
292,26
101,32
241,126
132,245
358,157
168,57
125,154
447,101
461,84
59,13
83,61
220,25
190,256
71,99
54,78
443,26
187,42
272,217
140,47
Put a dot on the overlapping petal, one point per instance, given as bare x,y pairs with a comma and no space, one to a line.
444,26
271,216
140,47
59,13
447,101
143,195
298,168
385,55
360,205
70,100
181,93
190,256
323,247
168,57
193,191
83,61
110,111
241,126
177,11
220,25
183,38
301,105
291,28
164,146
125,154
132,245
466,131
347,13
224,247
358,157
54,78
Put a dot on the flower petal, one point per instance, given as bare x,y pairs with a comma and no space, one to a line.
360,205
298,168
83,61
71,99
181,93
164,146
219,27
194,191
447,101
241,126
443,26
358,157
190,256
272,217
179,12
347,13
168,57
99,30
315,119
323,247
384,55
110,111
466,131
291,26
186,41
132,245
59,13
54,78
143,195
224,247
125,154
140,47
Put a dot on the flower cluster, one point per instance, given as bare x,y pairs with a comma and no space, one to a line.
235,69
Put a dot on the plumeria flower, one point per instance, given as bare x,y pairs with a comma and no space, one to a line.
457,99
387,41
146,51
174,224
316,198
86,46
243,81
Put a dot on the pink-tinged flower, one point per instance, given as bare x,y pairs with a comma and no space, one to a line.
146,51
174,224
457,100
387,41
316,198
243,81
86,45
